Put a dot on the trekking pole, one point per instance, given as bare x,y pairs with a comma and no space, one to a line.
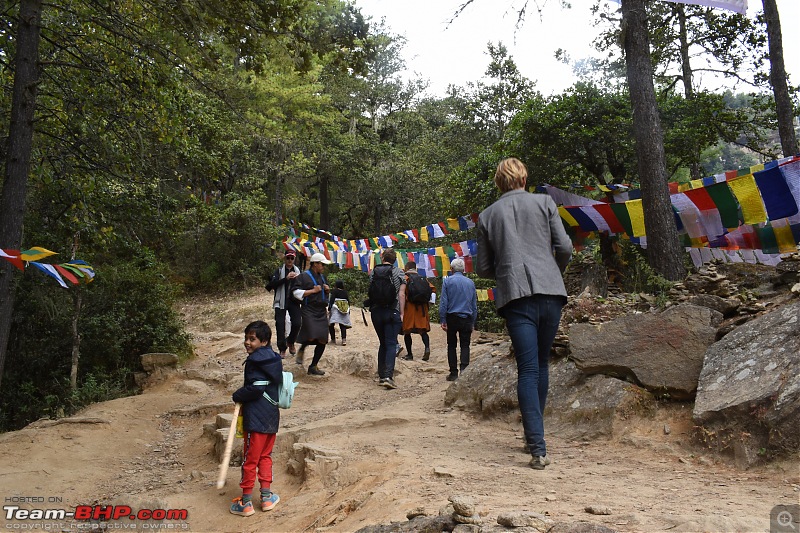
223,468
364,317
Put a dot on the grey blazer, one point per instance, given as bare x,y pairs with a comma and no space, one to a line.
523,245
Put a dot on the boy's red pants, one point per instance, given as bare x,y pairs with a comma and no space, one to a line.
257,455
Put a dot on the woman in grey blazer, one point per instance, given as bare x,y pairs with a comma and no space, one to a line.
523,245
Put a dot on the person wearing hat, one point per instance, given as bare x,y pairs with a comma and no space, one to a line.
523,245
282,282
312,290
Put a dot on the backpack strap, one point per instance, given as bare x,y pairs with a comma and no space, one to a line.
265,382
324,282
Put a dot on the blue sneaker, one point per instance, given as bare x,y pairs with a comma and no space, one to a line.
242,508
268,504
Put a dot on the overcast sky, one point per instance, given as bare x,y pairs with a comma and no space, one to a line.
456,54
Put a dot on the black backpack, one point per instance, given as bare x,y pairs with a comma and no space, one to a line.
418,289
381,290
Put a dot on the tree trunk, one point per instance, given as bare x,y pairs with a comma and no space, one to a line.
777,78
20,145
77,297
664,250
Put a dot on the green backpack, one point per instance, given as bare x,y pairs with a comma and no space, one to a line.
285,391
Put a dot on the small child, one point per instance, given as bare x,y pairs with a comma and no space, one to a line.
263,372
339,312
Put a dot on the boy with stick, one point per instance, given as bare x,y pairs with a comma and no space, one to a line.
263,370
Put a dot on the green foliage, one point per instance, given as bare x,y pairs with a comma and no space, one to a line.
225,243
639,276
127,311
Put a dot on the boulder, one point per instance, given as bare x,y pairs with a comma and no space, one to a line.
489,384
578,406
726,306
153,361
748,398
662,352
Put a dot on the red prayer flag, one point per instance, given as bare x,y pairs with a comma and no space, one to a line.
66,274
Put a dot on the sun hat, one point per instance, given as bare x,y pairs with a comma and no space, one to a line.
320,258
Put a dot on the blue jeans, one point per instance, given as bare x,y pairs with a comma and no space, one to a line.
387,324
532,324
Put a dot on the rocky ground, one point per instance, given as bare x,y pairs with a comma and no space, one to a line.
351,454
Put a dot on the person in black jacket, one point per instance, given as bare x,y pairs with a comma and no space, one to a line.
263,374
282,282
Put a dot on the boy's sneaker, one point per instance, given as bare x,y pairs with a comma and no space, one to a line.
538,462
389,383
344,342
268,504
242,508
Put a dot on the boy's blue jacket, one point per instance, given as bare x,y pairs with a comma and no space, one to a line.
258,413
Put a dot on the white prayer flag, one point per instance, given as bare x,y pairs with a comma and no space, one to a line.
740,6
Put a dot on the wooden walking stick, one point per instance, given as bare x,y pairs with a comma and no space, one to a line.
223,468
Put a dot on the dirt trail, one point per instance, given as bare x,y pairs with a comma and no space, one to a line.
380,453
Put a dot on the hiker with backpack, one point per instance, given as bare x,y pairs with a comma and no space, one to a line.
312,290
386,300
416,318
523,245
458,313
282,282
339,311
263,373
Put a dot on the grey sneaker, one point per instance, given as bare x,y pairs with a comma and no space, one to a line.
299,358
538,462
389,383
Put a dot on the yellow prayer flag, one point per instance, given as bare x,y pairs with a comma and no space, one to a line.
746,192
423,234
683,187
400,263
483,295
636,212
35,253
567,217
697,184
756,168
783,234
452,223
445,260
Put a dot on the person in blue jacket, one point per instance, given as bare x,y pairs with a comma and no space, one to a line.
263,373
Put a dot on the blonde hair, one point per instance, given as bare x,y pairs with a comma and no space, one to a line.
511,174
